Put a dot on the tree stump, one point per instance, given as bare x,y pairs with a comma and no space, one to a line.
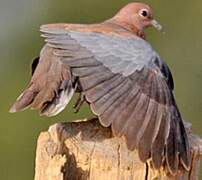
88,151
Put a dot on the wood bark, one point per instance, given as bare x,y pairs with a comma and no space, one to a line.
88,151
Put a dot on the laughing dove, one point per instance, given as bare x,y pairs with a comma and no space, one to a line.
120,76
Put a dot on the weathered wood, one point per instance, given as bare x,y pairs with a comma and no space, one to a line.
87,151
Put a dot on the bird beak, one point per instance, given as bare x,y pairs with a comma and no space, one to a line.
156,25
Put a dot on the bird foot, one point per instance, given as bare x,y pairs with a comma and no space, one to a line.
79,103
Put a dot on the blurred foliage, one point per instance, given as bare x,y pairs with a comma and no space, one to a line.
20,42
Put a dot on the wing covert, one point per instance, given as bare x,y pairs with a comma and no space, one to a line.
119,54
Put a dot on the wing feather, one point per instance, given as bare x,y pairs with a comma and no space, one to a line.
146,136
158,145
171,148
121,120
93,80
125,105
98,107
134,122
95,93
130,88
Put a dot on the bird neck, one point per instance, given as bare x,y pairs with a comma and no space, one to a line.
129,27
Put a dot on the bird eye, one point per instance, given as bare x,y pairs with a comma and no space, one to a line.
144,13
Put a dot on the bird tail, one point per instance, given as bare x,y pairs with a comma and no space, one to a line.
51,87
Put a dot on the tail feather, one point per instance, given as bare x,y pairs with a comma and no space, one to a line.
51,87
60,101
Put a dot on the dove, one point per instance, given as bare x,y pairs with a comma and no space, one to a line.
123,79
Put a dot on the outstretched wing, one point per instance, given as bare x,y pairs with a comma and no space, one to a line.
129,88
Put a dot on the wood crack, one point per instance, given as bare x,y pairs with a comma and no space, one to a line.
146,171
118,160
90,161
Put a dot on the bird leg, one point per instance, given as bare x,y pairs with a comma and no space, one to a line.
79,103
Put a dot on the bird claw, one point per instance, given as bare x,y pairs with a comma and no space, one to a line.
79,103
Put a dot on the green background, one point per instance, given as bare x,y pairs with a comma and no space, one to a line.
180,46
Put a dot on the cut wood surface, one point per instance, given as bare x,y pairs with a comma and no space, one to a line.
88,151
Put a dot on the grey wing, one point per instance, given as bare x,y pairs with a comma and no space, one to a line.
128,91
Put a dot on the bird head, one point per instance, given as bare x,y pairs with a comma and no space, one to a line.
137,16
